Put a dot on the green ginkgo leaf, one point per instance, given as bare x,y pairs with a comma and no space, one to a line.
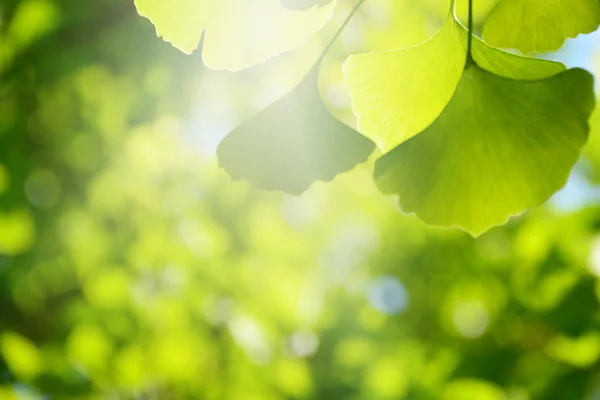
397,94
540,25
293,143
472,144
499,147
238,33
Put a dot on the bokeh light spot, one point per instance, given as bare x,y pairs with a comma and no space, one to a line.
388,295
42,188
470,319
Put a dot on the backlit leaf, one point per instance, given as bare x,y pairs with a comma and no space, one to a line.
469,148
237,33
390,111
499,147
540,25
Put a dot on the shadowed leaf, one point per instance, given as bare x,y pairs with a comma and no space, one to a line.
293,143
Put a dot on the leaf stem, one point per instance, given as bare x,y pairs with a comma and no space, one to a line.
339,31
470,31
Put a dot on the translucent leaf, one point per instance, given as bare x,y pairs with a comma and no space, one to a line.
293,143
390,111
469,148
237,33
540,25
397,94
499,147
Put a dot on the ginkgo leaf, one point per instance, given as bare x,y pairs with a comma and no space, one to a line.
469,144
293,143
540,25
238,33
397,94
499,147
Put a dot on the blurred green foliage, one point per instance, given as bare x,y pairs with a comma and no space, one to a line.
132,267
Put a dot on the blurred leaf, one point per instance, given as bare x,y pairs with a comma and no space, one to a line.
33,19
293,377
130,367
108,288
17,232
471,389
89,348
387,378
21,355
581,352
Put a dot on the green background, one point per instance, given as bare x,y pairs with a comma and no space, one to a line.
131,266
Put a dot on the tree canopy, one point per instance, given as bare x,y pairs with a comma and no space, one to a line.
255,207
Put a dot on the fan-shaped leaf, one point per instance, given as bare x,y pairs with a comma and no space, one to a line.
540,25
397,94
293,143
238,33
499,147
471,147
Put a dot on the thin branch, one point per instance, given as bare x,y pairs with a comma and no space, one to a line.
339,31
